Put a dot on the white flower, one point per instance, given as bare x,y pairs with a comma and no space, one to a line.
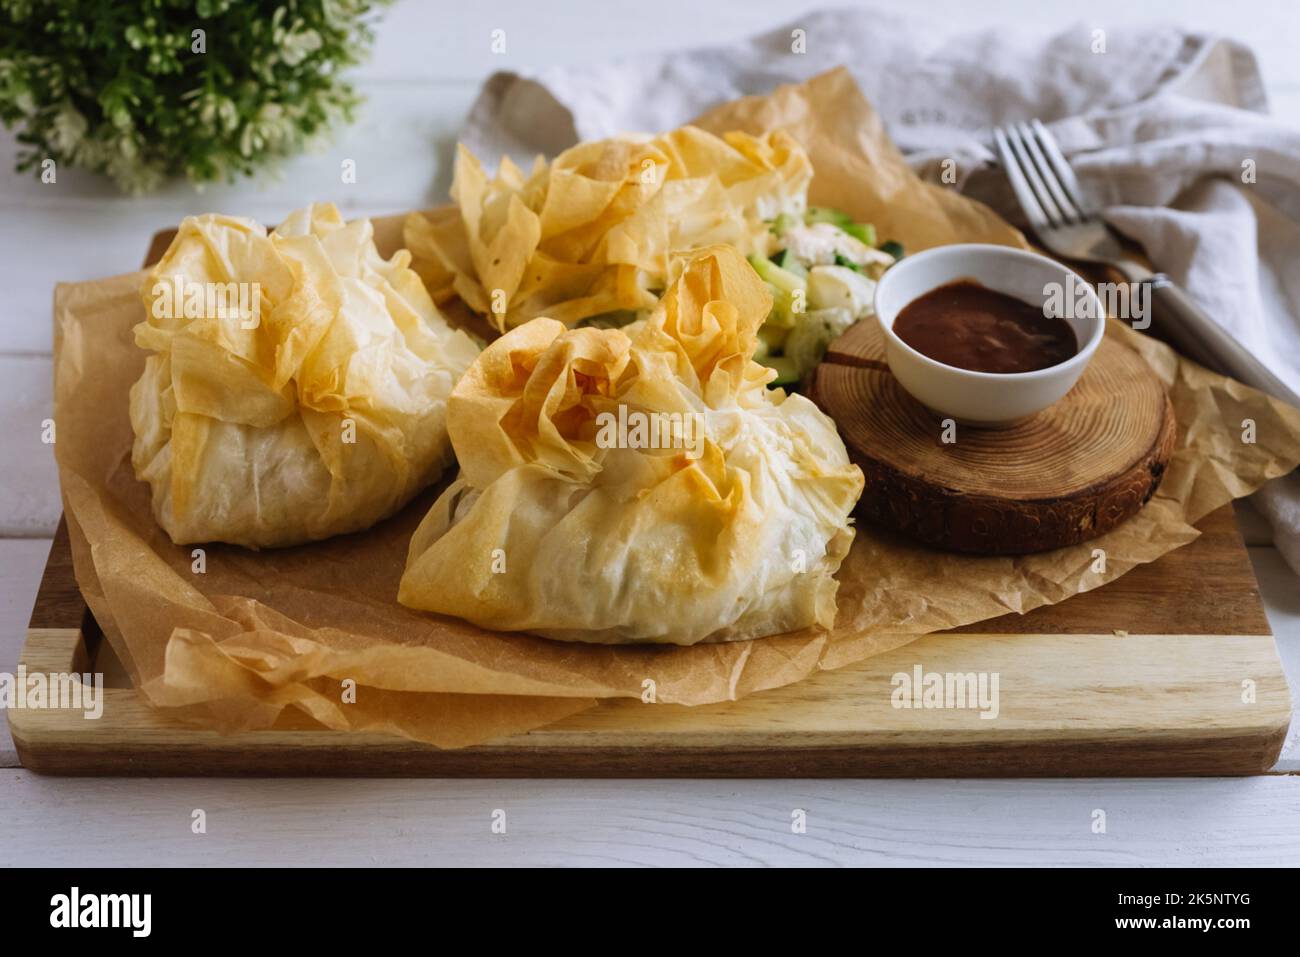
296,47
68,129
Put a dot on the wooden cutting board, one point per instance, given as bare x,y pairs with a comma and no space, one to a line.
1142,677
1171,669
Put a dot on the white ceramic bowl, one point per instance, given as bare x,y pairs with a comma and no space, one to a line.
990,399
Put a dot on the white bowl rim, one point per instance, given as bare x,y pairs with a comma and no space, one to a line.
1080,358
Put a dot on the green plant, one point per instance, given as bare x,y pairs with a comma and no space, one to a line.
212,89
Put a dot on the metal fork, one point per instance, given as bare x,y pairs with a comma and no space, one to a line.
1050,197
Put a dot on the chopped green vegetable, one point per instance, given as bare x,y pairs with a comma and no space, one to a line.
789,291
861,231
894,249
771,272
786,371
847,263
807,341
824,214
838,286
770,339
786,260
783,222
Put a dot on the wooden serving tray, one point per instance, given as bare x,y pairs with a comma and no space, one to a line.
1096,685
1142,677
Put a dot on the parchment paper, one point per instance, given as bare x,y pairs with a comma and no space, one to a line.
257,632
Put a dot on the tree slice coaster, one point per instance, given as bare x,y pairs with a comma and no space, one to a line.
1072,472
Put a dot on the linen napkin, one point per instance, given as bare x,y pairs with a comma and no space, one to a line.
1167,129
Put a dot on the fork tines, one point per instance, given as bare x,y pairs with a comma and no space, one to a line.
1041,178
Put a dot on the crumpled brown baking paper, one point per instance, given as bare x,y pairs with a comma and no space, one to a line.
257,632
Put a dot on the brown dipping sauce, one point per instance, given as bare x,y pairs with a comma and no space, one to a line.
966,325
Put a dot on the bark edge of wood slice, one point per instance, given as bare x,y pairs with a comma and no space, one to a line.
1068,474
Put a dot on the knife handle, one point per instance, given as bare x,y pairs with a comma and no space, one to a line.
1200,338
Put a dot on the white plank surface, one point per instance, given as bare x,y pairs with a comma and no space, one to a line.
96,822
29,498
421,81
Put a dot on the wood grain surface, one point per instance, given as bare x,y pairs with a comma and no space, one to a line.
1072,472
1095,685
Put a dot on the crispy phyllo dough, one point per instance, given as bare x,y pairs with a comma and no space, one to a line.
639,484
297,382
594,232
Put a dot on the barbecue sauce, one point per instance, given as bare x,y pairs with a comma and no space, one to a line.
966,325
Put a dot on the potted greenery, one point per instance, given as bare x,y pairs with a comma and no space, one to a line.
208,89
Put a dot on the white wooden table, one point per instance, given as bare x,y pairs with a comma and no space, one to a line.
427,67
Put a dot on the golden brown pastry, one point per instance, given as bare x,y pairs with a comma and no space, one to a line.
639,484
313,408
593,232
